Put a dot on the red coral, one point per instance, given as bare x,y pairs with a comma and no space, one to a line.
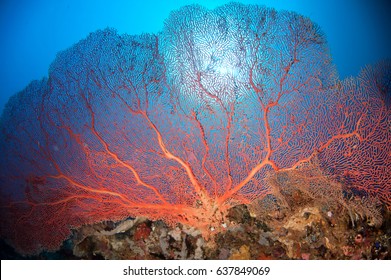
142,232
184,125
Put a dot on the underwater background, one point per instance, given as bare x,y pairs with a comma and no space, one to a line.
33,32
224,120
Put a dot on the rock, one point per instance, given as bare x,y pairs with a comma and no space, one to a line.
224,254
198,252
176,234
263,241
242,254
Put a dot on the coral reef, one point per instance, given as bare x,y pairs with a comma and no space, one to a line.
240,105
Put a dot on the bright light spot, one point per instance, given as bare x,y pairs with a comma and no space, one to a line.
225,69
222,70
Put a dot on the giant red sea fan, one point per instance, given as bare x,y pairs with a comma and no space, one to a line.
185,124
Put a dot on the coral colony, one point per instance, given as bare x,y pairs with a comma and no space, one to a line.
223,107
